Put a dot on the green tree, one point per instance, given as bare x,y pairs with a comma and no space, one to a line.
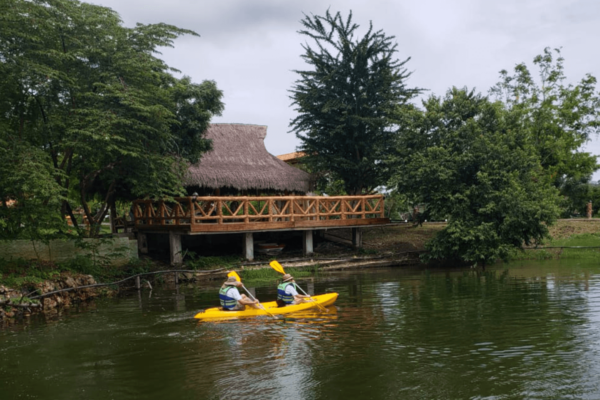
557,117
464,161
93,96
348,102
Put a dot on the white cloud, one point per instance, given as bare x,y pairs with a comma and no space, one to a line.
250,47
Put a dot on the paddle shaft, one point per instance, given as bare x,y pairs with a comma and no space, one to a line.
313,300
252,297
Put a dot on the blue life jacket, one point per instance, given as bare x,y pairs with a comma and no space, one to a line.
282,295
226,302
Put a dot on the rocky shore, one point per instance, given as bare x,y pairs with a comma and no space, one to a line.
21,303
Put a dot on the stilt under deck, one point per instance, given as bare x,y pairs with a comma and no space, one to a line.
247,215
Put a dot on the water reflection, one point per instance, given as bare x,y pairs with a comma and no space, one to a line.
522,331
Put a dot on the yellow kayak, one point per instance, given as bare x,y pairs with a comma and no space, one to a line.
271,306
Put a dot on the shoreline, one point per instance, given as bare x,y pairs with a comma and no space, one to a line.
391,246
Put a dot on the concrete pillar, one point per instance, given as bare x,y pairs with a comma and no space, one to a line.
142,243
248,244
357,238
308,243
175,247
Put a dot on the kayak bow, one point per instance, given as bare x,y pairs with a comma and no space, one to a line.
271,307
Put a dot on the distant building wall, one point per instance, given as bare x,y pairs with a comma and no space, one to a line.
119,250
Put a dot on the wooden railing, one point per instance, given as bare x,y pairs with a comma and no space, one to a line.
249,213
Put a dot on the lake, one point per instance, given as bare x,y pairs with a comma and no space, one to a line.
521,330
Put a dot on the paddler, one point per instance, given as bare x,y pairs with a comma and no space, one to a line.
231,299
287,295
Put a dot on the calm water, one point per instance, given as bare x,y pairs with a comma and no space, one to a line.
529,331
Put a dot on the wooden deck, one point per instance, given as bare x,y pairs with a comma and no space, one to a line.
204,215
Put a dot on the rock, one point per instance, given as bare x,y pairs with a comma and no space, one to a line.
70,282
49,303
46,287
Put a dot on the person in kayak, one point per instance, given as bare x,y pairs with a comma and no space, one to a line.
287,295
231,299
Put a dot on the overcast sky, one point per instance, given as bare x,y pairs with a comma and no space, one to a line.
251,47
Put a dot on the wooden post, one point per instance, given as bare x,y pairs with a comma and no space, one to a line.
220,211
161,212
382,205
246,210
192,211
248,244
307,243
175,248
292,209
589,210
138,286
357,238
364,208
142,243
318,211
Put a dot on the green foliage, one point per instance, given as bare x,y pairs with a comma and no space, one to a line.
349,101
25,300
27,181
92,111
396,205
557,118
17,273
464,161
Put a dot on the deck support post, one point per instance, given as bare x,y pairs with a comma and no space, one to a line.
142,241
307,243
175,247
248,244
357,242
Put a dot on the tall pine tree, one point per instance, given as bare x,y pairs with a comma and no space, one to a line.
349,101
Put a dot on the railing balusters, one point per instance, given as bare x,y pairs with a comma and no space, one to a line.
268,209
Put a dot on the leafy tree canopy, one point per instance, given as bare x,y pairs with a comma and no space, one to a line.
86,102
557,117
348,101
462,158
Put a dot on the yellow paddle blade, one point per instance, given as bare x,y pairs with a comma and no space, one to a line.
234,274
277,267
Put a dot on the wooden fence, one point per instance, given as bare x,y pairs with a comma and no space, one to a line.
208,214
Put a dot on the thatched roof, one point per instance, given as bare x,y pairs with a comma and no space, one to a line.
240,160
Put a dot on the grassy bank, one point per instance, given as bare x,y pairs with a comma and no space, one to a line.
387,240
583,246
17,273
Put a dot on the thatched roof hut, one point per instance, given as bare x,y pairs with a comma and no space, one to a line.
240,161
